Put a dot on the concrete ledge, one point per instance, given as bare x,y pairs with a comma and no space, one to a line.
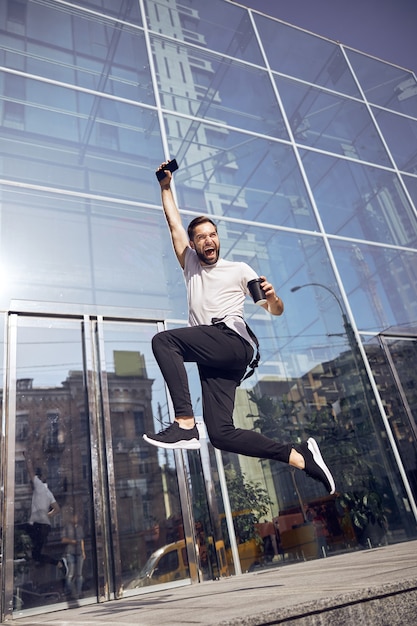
376,587
393,605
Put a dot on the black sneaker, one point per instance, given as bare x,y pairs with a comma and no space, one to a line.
175,438
315,467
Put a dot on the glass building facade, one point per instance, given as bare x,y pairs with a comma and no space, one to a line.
304,152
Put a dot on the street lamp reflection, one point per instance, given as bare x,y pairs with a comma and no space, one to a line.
346,324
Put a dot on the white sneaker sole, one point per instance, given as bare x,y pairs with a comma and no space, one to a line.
183,444
315,451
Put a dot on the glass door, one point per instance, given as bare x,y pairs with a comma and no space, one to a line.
393,360
400,391
91,511
154,539
50,518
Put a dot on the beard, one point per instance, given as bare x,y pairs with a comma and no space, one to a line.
211,259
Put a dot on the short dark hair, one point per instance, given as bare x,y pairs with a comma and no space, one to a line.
201,219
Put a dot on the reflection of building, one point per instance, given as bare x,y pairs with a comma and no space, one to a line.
146,489
52,425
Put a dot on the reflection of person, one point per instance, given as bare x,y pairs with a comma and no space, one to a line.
44,506
316,517
73,538
218,341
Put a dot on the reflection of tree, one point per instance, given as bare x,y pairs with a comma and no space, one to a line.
250,504
275,417
366,511
247,495
346,445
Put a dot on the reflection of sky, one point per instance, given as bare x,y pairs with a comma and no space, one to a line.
377,284
48,355
360,201
227,29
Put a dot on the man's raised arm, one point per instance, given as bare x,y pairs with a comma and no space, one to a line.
178,233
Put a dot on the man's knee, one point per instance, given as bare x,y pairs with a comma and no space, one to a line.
222,437
159,341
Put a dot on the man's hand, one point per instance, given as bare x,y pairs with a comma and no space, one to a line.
274,304
166,181
29,466
54,510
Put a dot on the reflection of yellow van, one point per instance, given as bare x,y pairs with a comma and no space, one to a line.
165,565
250,555
249,542
170,563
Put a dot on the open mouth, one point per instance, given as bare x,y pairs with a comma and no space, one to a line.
209,253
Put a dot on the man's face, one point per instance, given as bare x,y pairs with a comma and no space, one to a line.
206,243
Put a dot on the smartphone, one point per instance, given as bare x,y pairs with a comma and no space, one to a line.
171,166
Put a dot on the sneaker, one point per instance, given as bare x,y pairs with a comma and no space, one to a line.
315,467
175,438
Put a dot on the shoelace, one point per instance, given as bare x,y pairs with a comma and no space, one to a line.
167,428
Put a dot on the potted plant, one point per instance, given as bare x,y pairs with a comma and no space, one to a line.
367,516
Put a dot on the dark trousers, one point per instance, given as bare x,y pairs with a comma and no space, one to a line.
222,357
39,536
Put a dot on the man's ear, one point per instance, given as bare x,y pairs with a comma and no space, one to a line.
192,245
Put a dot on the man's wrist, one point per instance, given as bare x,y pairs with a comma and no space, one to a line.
275,306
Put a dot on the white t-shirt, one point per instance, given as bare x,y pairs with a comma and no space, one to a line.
42,499
217,291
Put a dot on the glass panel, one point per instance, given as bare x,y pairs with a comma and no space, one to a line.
216,88
400,133
411,184
106,246
398,390
241,176
288,49
385,84
53,445
215,560
360,201
80,49
217,25
330,122
311,382
147,497
58,137
381,284
126,11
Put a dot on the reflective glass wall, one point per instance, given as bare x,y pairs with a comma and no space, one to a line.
310,170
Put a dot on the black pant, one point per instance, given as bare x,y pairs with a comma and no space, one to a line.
39,536
222,357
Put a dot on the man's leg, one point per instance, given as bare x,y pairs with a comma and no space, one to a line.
215,346
222,358
79,563
39,538
218,394
39,535
218,404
